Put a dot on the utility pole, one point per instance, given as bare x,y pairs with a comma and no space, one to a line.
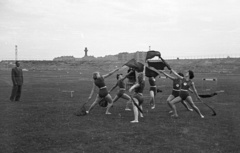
149,48
16,53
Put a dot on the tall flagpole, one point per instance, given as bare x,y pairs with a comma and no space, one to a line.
16,53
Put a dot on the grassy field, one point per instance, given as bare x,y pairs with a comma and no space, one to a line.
44,122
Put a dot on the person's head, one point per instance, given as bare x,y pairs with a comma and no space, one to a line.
119,76
96,75
17,63
180,74
140,77
190,74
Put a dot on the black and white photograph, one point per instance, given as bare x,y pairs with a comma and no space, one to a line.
119,76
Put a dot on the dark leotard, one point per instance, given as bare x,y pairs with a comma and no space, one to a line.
152,84
121,86
139,92
99,82
184,88
176,87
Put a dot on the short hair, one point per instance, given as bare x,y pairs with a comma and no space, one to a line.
180,74
16,62
191,74
117,76
95,75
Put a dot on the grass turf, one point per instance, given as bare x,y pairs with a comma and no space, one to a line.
44,122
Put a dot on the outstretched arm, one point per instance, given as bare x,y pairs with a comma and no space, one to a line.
110,73
92,91
190,90
161,71
153,69
167,75
113,87
133,87
175,73
144,70
195,91
127,74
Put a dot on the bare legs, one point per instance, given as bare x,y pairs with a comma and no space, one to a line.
152,101
126,97
136,111
171,97
186,105
190,102
94,103
108,99
172,105
110,103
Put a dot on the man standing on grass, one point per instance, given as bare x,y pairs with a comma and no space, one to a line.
17,79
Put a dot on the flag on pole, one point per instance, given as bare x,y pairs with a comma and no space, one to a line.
131,75
150,73
140,67
157,64
137,66
152,53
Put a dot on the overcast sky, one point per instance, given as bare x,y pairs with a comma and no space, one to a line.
44,29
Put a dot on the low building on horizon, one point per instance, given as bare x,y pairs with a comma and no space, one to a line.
138,55
64,58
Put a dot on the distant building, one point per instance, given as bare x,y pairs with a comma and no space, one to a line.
125,56
140,56
121,57
109,58
88,58
64,58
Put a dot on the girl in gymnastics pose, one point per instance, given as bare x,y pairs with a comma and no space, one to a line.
98,80
138,95
121,92
152,90
131,78
175,90
186,84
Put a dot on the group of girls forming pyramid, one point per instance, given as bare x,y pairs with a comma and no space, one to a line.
182,85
